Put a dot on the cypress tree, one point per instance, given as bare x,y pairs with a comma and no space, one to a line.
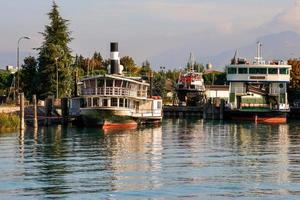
55,57
29,77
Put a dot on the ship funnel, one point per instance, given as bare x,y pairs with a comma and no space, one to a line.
115,67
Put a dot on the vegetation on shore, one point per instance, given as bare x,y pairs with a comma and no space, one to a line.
9,121
55,64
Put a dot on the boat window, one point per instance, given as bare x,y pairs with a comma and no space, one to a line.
100,83
104,102
284,71
118,83
114,102
192,86
257,70
272,71
232,70
121,102
109,82
95,102
125,83
158,105
92,83
89,102
82,103
243,70
180,86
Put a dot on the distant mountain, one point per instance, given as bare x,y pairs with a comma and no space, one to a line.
283,45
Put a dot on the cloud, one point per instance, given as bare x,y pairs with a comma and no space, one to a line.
290,18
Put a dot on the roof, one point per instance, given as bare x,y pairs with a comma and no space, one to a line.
118,77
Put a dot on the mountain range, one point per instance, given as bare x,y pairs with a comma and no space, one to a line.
282,45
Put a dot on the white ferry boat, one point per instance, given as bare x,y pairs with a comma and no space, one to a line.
258,90
115,100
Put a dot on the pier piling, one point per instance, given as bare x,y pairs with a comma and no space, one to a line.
22,112
35,120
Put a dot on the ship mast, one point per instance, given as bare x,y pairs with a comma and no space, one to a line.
191,63
258,57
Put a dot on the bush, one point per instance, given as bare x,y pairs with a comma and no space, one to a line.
9,120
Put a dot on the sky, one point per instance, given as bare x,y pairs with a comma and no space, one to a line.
147,29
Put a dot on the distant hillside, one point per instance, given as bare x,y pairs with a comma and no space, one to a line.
282,45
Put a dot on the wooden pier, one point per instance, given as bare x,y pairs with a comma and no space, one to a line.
182,111
210,110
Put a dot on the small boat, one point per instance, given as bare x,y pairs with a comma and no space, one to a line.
114,100
190,87
258,89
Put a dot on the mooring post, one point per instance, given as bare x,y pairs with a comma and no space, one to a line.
65,110
35,121
48,109
222,109
22,114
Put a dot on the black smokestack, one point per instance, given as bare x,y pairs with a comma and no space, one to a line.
114,47
114,58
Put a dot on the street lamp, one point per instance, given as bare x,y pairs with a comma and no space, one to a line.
18,60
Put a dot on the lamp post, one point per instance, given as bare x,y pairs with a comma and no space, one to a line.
56,77
18,60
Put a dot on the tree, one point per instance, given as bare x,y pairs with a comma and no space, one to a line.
29,77
55,57
215,78
294,86
295,73
129,66
145,70
5,82
159,84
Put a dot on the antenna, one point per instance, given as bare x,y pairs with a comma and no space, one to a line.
234,59
191,62
258,57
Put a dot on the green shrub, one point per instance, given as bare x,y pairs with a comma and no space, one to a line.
9,120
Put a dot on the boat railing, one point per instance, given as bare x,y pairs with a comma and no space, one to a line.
89,91
115,91
147,113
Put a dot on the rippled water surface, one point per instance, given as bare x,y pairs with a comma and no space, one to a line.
182,159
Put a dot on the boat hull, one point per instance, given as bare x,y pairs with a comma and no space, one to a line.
270,117
191,97
114,118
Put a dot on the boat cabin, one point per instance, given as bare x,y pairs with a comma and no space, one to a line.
259,85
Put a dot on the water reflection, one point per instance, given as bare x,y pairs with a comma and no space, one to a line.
180,159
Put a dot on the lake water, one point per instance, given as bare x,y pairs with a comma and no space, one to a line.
182,159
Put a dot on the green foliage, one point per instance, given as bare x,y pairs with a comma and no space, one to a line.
159,84
173,75
215,78
29,77
130,67
198,67
145,70
5,81
55,56
9,120
294,86
295,73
